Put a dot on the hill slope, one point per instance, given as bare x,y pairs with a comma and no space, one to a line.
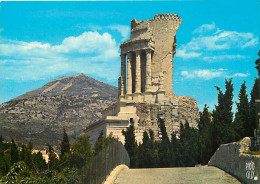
71,102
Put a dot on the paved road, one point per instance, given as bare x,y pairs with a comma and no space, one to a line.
184,175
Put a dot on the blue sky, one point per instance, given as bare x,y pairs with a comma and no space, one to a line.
41,41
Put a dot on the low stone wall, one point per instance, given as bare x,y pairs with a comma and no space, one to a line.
231,158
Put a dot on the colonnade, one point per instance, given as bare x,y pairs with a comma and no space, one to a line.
148,78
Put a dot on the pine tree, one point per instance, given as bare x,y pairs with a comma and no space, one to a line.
131,145
65,144
223,127
242,114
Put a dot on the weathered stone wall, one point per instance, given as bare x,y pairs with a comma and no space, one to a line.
178,110
232,159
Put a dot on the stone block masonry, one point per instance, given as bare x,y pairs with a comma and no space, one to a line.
232,159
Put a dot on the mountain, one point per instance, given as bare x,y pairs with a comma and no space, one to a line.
39,116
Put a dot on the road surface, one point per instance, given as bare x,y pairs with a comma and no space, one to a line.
183,175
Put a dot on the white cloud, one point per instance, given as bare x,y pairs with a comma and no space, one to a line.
222,57
239,75
207,74
183,54
205,28
122,29
208,39
203,74
76,54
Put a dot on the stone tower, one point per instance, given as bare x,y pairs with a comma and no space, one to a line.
149,52
146,83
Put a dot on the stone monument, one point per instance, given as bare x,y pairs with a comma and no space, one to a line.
146,83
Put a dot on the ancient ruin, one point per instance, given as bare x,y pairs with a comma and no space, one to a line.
146,83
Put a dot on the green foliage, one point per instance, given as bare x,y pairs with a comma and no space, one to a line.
205,136
242,115
26,154
66,176
189,145
257,62
146,152
38,162
4,166
253,117
53,163
223,127
14,152
19,173
103,142
164,146
131,145
65,144
82,148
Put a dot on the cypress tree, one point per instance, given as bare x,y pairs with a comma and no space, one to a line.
53,162
14,152
38,162
223,127
28,154
205,139
242,114
131,145
144,156
255,94
164,146
65,144
4,167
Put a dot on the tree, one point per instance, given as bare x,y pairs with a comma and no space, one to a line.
131,145
205,139
53,162
176,155
38,162
102,142
242,114
26,154
14,152
255,94
4,167
82,148
189,145
65,144
145,152
164,148
223,127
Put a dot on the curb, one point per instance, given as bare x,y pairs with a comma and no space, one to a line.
113,175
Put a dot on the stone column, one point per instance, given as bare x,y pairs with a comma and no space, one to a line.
123,74
129,73
148,74
138,73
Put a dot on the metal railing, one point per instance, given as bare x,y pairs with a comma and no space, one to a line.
99,168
